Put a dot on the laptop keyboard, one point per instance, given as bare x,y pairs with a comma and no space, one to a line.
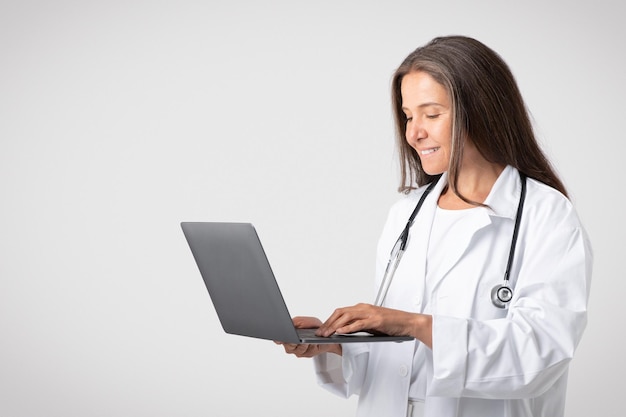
306,333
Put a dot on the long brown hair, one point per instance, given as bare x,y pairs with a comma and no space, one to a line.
487,108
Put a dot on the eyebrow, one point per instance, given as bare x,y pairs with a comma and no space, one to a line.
428,104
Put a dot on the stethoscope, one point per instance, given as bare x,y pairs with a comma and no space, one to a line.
501,294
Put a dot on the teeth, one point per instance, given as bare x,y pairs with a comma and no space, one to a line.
428,151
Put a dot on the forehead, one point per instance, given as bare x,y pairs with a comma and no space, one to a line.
418,87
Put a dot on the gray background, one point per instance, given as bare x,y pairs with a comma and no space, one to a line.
119,119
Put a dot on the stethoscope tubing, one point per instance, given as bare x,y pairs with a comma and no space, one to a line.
400,246
518,220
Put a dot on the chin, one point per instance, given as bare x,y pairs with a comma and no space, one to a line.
433,171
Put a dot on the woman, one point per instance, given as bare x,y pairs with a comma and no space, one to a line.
463,127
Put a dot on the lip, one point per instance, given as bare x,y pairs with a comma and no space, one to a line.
428,151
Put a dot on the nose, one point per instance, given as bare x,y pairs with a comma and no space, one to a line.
414,132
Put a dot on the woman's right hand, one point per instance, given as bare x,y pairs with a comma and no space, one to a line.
309,350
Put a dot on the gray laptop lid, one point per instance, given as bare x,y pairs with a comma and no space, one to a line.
243,288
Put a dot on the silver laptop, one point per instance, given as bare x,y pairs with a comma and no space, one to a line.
243,288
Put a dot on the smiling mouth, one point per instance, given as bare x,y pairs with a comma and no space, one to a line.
428,151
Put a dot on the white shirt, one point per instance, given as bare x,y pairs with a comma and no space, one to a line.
485,361
443,228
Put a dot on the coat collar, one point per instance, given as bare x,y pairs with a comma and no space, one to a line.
505,193
503,198
501,202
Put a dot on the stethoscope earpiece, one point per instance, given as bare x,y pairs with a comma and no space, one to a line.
501,295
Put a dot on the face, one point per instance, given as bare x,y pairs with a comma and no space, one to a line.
428,112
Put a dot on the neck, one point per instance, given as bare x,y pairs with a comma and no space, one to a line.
474,184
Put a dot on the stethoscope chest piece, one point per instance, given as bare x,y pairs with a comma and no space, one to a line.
501,295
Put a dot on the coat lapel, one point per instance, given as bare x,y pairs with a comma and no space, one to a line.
458,244
502,201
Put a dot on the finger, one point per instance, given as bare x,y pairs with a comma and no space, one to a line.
339,318
352,319
311,351
289,347
327,328
352,327
299,350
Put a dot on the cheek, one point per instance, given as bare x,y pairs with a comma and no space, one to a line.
444,137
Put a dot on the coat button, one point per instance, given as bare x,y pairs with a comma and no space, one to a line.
403,371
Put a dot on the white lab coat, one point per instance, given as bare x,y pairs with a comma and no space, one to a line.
485,361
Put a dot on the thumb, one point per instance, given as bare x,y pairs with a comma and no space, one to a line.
304,322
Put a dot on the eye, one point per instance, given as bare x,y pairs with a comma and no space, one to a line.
433,116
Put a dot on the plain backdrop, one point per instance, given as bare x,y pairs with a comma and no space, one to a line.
120,119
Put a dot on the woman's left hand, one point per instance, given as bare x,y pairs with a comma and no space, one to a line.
367,317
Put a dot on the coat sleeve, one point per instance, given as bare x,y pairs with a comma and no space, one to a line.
342,375
345,375
523,354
